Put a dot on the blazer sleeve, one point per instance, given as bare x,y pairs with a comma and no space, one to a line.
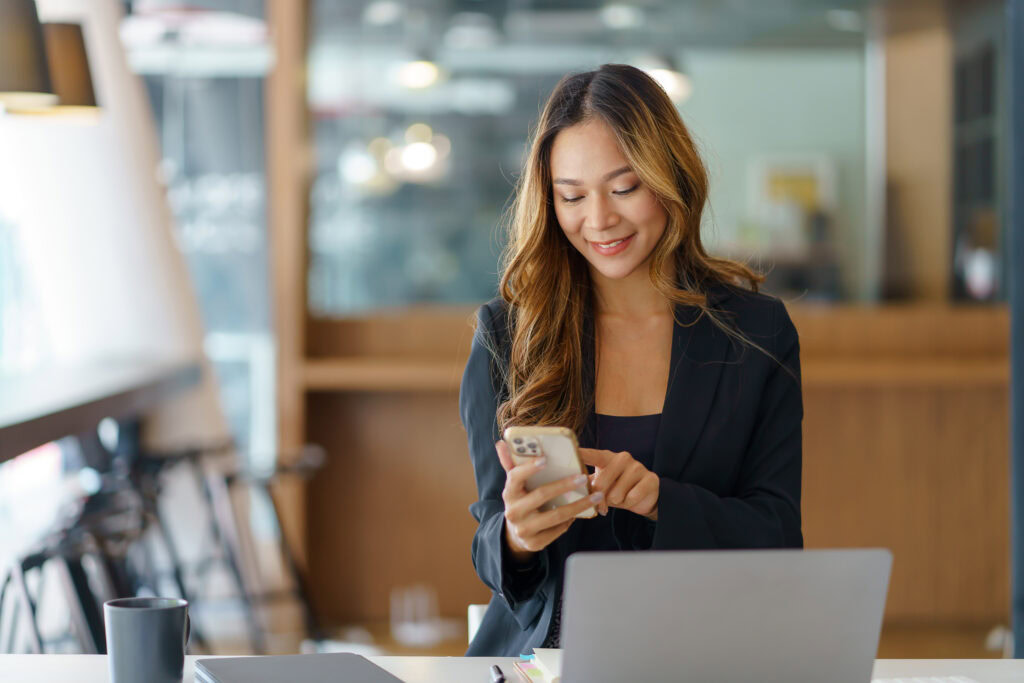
478,403
765,510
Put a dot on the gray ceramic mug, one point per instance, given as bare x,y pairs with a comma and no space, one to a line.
146,639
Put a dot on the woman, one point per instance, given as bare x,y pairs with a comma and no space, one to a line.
681,381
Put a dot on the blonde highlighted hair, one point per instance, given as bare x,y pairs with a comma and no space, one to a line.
546,281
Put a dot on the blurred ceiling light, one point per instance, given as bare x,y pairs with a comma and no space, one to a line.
379,147
676,84
664,69
382,13
418,132
418,156
393,162
24,73
845,20
418,75
422,159
357,166
442,144
69,72
622,16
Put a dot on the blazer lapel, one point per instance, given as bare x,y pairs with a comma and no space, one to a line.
699,351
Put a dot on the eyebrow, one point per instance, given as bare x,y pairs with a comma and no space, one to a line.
607,176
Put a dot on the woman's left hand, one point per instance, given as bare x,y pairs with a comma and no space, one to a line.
626,483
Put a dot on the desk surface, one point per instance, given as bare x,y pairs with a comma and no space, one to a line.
93,668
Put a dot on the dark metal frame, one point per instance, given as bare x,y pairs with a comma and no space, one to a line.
1015,226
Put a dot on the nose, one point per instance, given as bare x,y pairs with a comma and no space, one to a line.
600,214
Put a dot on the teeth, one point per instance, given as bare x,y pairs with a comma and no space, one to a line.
612,244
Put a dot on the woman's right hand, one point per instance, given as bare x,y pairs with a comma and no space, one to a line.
528,528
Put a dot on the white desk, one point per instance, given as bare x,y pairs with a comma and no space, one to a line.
93,668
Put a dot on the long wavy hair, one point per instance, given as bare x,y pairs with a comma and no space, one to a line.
546,281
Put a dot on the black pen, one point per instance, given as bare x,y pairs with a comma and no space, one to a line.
496,674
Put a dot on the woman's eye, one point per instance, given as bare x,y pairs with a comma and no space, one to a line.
620,193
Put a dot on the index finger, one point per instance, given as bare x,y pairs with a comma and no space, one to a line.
504,457
517,476
595,457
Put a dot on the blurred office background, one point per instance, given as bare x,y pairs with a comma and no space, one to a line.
282,214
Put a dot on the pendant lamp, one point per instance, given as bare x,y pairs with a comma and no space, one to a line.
24,73
69,66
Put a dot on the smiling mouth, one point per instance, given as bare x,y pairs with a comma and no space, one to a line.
612,244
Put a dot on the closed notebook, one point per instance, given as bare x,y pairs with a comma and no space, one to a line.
528,672
549,661
338,668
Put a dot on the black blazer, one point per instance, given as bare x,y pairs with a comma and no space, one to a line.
728,454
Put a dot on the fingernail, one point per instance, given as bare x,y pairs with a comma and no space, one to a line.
579,479
603,511
596,497
541,461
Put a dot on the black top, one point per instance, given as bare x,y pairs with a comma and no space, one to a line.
727,455
637,435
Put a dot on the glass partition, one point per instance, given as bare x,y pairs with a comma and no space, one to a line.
421,115
204,72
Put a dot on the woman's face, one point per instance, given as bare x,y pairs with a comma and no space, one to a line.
603,208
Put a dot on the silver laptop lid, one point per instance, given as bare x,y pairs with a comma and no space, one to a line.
758,615
337,667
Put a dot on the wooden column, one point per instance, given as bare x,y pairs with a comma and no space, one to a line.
918,121
288,170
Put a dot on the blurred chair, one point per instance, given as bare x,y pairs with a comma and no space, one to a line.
101,547
88,551
218,477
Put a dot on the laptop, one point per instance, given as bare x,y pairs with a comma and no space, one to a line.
735,615
342,667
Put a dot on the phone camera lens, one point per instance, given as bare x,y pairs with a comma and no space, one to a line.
520,450
517,441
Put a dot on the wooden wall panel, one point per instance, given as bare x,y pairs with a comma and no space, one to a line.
392,506
424,331
905,330
923,472
906,447
902,331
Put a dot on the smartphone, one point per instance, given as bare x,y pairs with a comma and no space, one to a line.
560,446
